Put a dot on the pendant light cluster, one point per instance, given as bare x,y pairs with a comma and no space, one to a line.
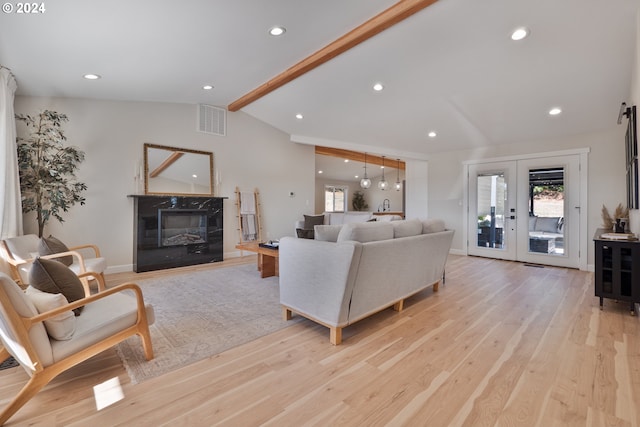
383,184
365,182
398,185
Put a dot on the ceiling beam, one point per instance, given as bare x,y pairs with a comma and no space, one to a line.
359,157
389,17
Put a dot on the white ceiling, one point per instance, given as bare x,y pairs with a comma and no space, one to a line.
451,67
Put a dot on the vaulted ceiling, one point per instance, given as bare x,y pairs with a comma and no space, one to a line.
450,68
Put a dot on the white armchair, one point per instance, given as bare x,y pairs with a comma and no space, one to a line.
20,251
108,318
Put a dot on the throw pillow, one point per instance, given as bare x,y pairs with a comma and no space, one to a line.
406,228
366,231
51,245
60,327
304,234
327,233
432,226
312,220
51,276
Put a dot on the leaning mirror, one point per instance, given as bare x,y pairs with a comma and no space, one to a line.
171,170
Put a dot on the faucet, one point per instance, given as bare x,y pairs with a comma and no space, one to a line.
386,205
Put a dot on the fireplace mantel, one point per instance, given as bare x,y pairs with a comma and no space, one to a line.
175,231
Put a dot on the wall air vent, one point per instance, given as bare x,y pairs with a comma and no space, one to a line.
212,120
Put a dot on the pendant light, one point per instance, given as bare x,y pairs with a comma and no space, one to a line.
398,185
383,184
365,182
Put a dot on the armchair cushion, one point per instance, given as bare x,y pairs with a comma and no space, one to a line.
60,327
37,334
53,277
50,245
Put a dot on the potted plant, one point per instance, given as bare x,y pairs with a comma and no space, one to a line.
47,168
358,202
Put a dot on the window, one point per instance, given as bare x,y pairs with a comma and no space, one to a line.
334,198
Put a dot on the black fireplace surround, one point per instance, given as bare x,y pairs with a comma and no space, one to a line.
176,231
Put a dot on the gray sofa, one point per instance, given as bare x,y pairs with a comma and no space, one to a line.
351,271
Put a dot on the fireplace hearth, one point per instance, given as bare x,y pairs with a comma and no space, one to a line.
176,231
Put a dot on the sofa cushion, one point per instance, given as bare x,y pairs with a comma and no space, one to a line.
366,232
432,226
50,245
312,220
327,233
406,228
53,277
547,224
60,327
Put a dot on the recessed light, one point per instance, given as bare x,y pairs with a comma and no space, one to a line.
194,176
346,160
319,171
92,76
207,87
519,33
277,31
378,87
356,177
555,111
299,116
432,134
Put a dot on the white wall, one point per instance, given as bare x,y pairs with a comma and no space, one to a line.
112,134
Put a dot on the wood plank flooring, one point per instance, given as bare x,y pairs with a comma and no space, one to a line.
501,344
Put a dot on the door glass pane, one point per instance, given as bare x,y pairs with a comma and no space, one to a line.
546,211
491,191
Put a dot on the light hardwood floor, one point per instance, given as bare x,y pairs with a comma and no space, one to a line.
501,343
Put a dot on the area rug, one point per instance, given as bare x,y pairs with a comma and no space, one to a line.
9,363
201,314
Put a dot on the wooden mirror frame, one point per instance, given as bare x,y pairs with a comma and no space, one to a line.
174,159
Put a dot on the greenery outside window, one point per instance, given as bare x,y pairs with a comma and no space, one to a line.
334,198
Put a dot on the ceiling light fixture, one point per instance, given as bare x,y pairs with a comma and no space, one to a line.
365,182
207,87
378,87
519,33
398,185
432,134
383,184
555,111
320,172
299,116
92,76
277,31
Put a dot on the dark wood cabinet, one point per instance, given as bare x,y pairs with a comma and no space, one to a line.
617,274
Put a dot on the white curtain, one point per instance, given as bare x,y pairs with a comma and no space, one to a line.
10,204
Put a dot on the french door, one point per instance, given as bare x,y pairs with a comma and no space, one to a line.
526,210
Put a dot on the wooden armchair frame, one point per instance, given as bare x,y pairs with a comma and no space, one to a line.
42,375
14,264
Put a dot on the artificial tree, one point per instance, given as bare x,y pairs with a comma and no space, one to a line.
47,168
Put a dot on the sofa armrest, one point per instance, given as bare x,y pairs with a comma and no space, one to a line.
316,278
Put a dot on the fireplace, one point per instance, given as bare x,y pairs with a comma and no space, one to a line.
176,231
179,227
